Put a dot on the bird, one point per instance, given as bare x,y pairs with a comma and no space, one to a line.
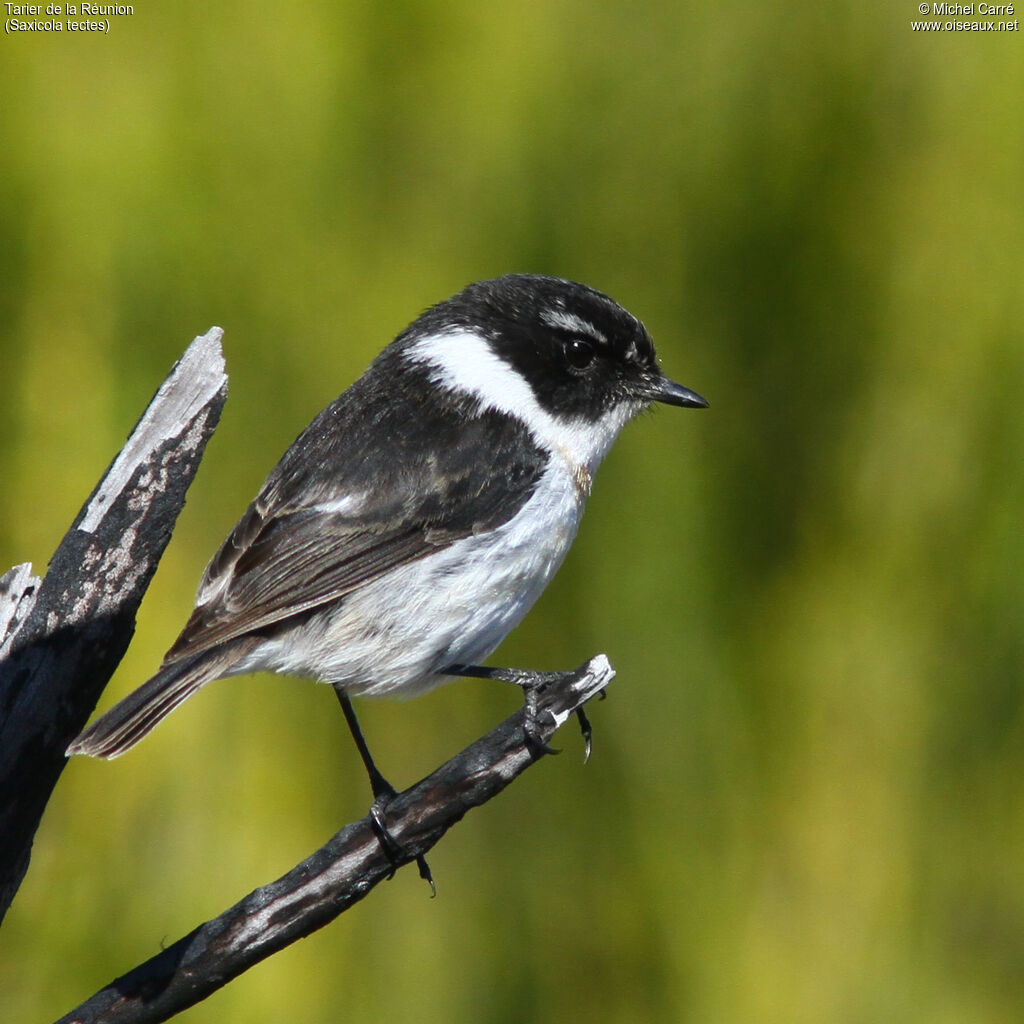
411,526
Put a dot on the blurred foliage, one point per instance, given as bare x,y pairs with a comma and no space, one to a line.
807,796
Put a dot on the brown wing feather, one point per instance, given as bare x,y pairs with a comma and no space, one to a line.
297,569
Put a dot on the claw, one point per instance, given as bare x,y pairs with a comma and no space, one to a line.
421,863
392,848
588,733
387,841
536,742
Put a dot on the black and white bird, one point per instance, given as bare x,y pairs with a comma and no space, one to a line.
414,522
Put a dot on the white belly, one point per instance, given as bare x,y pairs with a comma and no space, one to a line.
394,635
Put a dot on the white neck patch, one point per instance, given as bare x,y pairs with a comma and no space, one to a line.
462,360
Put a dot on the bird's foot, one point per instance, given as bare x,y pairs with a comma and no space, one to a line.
533,684
383,794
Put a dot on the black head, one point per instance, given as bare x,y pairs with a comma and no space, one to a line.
582,354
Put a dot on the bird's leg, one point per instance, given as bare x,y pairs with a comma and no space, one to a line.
383,794
532,683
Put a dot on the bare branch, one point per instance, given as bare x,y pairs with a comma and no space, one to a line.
62,638
340,873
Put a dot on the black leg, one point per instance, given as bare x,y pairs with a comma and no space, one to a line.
383,793
532,683
382,789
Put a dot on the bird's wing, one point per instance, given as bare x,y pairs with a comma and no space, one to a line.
389,500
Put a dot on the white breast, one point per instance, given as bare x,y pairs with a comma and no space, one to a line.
394,635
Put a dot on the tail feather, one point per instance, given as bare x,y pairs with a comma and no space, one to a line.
128,721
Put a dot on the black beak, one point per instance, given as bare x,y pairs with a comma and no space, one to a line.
668,391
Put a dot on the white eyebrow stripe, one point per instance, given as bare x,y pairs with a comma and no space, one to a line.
566,321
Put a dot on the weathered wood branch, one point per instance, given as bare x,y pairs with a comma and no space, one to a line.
61,638
340,873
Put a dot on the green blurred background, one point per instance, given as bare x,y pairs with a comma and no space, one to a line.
806,801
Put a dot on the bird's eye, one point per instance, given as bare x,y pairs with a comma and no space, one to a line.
579,353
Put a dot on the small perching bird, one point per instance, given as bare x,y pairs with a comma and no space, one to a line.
415,521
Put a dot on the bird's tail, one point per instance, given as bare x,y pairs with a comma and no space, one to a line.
128,721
